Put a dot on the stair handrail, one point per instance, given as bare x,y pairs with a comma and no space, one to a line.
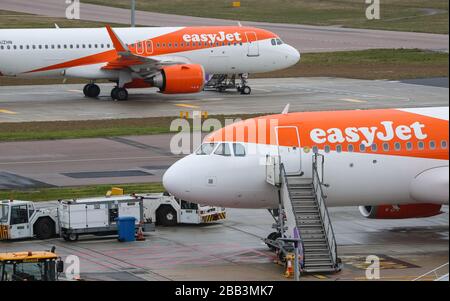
284,177
320,196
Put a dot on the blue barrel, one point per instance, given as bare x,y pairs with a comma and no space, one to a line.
126,228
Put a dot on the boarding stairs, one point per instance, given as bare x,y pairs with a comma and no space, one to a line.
305,208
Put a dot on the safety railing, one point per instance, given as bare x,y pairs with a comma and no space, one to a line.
320,198
285,185
433,271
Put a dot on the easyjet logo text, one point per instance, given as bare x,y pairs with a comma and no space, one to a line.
213,37
367,135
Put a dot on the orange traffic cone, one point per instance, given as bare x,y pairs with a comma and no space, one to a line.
140,233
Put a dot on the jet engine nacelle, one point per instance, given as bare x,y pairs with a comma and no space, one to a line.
176,79
400,211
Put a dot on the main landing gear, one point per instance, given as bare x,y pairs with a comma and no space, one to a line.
119,94
93,91
223,82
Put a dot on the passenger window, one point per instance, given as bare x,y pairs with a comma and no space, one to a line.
327,148
339,148
421,145
239,150
206,149
432,144
315,149
362,148
397,146
350,148
409,146
223,150
386,147
374,147
444,144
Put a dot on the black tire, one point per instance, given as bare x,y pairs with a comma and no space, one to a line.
273,236
166,216
92,91
85,90
44,228
114,93
72,237
122,94
246,90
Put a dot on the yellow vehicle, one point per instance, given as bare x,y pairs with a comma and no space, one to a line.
30,266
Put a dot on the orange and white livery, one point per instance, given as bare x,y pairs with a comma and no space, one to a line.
391,162
173,59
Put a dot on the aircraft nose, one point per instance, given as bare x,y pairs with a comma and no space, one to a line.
294,55
176,179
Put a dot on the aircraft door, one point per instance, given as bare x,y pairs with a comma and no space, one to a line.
288,141
252,44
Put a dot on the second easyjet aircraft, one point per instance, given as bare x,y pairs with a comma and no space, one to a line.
173,59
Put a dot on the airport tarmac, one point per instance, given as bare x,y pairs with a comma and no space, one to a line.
143,159
305,38
233,250
67,102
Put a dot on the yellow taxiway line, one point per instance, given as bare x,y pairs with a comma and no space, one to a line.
4,111
187,106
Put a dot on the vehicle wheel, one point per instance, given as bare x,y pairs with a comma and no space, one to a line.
114,93
166,216
72,237
85,90
246,90
121,94
273,236
44,228
91,90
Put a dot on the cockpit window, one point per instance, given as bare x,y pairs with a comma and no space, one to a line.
223,150
274,42
279,42
206,149
239,150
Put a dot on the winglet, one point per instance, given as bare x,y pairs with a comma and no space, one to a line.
56,26
118,44
286,109
239,24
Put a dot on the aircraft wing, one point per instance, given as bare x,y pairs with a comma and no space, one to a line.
145,66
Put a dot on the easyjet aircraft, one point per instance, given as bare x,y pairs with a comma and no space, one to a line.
173,59
393,163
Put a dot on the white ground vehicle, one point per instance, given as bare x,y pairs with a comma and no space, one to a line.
71,218
98,216
20,219
167,210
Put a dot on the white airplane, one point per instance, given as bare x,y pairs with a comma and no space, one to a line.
393,163
173,59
